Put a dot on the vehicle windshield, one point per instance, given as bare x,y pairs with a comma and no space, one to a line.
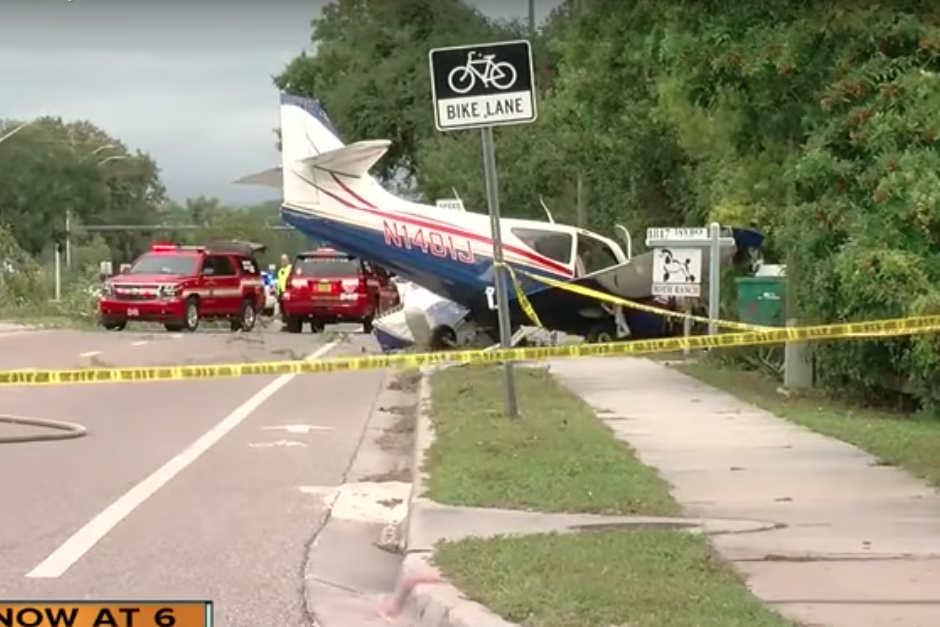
165,263
327,267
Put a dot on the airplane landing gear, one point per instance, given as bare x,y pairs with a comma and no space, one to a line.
602,332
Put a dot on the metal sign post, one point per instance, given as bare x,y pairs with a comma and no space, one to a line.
499,270
677,267
714,276
482,86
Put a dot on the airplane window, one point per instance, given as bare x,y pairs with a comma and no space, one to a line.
554,245
594,255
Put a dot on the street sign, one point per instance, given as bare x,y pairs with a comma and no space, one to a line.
677,272
483,85
696,234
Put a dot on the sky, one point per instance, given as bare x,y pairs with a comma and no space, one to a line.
189,83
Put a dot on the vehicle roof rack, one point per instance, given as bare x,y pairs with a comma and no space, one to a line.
236,246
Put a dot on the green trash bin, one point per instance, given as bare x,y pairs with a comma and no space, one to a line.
760,300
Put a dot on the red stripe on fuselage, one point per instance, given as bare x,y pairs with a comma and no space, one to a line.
445,227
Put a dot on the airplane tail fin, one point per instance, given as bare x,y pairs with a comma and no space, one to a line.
312,152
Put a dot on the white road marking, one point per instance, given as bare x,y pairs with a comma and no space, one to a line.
176,336
297,428
140,343
284,443
90,354
98,527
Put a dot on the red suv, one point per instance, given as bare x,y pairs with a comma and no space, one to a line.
327,286
181,285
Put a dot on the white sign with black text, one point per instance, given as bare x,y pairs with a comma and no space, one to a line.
677,272
673,234
483,85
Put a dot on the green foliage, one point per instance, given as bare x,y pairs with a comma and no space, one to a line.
27,289
19,273
839,106
257,223
51,169
370,68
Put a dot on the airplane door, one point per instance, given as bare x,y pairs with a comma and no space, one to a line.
388,293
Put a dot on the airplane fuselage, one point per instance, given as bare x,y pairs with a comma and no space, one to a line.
445,260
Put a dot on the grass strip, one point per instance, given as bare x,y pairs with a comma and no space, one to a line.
558,457
601,579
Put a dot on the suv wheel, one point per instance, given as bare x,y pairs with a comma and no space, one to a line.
293,324
114,326
191,314
246,317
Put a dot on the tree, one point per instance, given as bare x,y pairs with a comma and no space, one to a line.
256,223
818,124
370,68
52,169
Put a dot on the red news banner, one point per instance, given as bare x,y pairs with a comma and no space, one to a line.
106,614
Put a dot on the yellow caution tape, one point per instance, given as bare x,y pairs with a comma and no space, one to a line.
524,302
878,328
623,302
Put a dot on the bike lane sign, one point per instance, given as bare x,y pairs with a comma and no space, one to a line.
483,85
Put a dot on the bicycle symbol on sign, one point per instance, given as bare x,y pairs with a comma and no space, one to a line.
463,78
671,266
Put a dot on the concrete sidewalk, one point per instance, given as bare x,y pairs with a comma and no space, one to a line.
858,544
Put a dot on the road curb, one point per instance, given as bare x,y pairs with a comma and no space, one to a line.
422,597
427,600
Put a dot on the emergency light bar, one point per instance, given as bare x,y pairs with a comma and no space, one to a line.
170,248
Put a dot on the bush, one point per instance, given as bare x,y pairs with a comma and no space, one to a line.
27,289
20,276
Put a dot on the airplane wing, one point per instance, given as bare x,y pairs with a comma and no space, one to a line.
354,160
267,178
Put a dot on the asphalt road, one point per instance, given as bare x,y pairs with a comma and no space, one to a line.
189,490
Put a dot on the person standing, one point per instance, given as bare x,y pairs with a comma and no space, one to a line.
283,274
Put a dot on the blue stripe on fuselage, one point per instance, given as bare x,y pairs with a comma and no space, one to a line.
448,277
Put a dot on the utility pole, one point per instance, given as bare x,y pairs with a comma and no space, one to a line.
68,239
531,18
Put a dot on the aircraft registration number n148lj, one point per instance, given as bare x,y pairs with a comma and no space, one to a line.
428,241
